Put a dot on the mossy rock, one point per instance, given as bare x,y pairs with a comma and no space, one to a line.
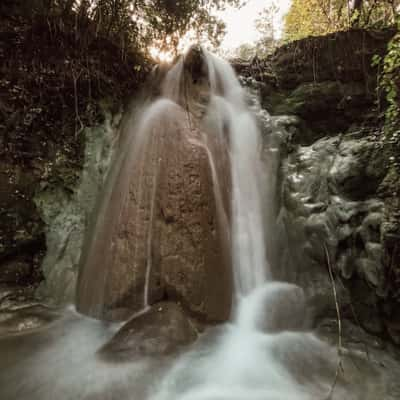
327,107
310,98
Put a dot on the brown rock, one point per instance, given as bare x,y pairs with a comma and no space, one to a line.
159,217
162,330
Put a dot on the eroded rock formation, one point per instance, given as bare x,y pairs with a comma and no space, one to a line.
161,231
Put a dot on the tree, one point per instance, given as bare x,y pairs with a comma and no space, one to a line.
267,26
245,51
313,17
137,23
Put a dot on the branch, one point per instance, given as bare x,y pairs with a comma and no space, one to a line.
339,364
75,78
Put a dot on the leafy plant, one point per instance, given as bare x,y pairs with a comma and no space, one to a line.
319,17
389,78
133,23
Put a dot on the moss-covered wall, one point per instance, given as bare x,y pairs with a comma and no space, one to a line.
54,82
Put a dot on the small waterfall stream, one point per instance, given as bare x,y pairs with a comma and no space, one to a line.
264,352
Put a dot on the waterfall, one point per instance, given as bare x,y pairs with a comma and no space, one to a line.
264,352
248,236
187,201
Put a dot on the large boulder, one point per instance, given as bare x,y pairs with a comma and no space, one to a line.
161,331
159,232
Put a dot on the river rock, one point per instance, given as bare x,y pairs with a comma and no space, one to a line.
25,317
160,331
284,308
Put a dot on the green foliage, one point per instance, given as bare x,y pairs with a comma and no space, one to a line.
320,17
389,79
137,23
314,17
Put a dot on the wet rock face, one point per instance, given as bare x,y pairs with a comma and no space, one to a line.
328,107
195,252
158,233
328,81
42,143
22,240
66,215
332,209
339,187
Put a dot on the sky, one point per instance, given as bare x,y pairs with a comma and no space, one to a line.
240,24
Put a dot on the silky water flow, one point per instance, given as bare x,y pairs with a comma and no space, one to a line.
262,353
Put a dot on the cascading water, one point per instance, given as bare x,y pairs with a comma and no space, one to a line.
242,363
264,352
248,178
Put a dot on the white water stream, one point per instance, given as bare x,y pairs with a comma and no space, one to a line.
256,356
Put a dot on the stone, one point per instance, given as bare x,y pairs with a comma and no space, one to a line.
25,318
357,169
346,265
366,306
159,232
162,330
66,216
369,269
374,251
284,308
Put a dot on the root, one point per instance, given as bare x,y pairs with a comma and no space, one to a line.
339,366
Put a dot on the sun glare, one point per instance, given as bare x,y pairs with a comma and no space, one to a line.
160,55
163,56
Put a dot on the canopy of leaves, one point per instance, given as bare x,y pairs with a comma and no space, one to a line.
389,80
137,23
319,17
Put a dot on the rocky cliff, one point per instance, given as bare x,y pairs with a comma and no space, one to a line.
339,175
340,181
60,104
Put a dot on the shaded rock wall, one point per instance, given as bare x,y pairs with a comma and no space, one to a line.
48,94
340,176
66,216
328,81
342,57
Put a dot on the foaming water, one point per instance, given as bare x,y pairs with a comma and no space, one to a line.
60,361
